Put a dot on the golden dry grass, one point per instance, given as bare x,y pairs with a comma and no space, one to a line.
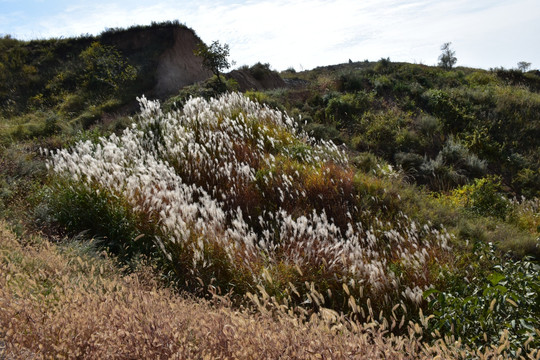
63,301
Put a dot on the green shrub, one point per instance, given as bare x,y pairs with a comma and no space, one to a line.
259,70
104,69
383,65
367,162
72,104
410,163
77,208
378,131
344,109
444,105
322,131
481,78
501,302
484,197
454,166
353,81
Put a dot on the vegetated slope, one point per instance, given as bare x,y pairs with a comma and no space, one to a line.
444,128
231,194
66,301
86,76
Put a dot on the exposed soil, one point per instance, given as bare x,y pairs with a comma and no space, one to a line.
178,66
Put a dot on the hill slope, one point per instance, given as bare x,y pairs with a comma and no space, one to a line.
117,66
64,301
224,191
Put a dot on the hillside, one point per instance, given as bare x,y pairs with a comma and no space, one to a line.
82,78
355,196
64,300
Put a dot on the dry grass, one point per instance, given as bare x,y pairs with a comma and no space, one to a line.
63,301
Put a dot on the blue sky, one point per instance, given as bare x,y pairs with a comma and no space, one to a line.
307,33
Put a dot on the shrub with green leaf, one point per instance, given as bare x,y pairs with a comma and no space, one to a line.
502,302
484,197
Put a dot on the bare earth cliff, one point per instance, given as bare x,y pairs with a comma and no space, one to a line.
167,52
178,66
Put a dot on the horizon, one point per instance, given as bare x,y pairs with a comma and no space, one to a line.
486,34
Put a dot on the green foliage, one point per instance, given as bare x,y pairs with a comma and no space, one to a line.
481,78
453,166
21,178
324,132
525,214
345,109
215,57
77,208
443,105
352,81
501,302
367,162
104,69
259,70
381,132
484,197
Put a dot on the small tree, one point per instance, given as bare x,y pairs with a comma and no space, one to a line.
524,65
104,69
215,57
447,58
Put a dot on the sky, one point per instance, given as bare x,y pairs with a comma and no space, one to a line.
303,34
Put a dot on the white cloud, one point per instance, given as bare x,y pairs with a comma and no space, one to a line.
309,33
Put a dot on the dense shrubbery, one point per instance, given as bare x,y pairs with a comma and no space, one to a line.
412,114
499,303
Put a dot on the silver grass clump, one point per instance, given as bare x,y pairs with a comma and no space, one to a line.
184,171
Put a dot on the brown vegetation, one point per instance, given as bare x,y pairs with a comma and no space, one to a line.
65,301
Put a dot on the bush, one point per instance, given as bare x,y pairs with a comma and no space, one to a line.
454,166
259,71
104,69
344,109
78,208
502,302
323,132
484,197
353,81
367,162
